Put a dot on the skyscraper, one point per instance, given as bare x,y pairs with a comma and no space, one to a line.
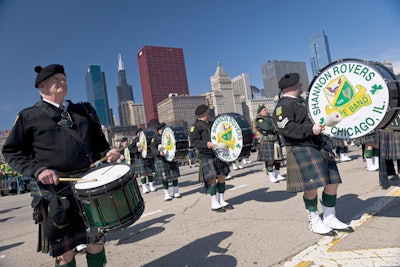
241,85
125,93
96,91
275,69
162,71
320,53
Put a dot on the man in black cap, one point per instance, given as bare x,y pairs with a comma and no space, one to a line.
143,166
212,169
165,170
52,139
269,135
310,159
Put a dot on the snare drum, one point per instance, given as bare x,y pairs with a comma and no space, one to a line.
235,132
109,198
365,93
176,143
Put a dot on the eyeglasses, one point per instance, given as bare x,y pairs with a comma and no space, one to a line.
66,119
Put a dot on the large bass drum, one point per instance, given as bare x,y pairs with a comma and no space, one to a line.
233,136
365,93
176,143
109,198
145,137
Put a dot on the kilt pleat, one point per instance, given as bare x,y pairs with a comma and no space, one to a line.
266,151
143,167
307,169
389,144
211,168
166,170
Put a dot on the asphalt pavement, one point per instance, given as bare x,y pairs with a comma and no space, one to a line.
268,227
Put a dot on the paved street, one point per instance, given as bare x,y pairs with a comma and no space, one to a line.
268,226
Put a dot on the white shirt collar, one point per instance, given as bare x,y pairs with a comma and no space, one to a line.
65,103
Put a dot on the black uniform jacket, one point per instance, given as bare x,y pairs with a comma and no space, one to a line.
155,141
294,124
133,149
200,134
37,142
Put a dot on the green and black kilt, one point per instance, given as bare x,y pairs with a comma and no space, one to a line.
308,169
367,139
143,167
166,170
389,149
210,168
75,236
266,151
76,233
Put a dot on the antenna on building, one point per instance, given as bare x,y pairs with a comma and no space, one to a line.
120,63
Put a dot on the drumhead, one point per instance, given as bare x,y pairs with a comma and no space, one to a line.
103,176
143,143
232,130
363,92
169,142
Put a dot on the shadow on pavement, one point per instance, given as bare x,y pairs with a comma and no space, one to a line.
139,231
197,253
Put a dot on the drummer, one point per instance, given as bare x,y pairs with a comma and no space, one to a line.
310,164
212,169
142,166
165,170
56,138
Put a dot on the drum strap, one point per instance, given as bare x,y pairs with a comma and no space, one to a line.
73,133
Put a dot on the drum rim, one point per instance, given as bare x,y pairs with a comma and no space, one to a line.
106,189
372,65
245,147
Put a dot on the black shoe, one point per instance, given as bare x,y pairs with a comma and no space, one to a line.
331,233
228,207
221,209
346,230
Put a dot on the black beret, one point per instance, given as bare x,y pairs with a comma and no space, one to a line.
288,80
200,109
260,107
46,72
160,126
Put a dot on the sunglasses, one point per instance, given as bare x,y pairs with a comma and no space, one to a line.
66,119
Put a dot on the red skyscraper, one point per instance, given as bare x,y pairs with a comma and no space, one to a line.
162,71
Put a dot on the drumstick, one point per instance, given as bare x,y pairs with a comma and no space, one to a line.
71,179
105,158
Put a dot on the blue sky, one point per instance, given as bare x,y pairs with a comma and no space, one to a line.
241,34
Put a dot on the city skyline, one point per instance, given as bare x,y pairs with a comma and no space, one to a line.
242,35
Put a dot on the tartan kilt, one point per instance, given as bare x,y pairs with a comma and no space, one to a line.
166,170
266,151
143,167
76,233
75,236
367,139
212,167
389,144
307,169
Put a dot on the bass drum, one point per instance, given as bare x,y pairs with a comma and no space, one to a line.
109,198
145,137
176,143
365,93
233,136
